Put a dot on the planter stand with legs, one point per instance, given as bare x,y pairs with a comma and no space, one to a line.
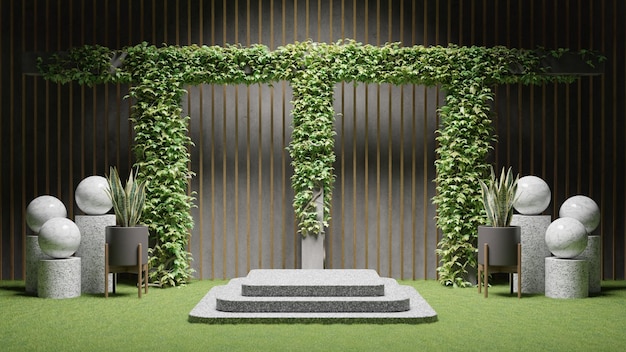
140,269
484,270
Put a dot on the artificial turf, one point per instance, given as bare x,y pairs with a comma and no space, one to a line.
466,322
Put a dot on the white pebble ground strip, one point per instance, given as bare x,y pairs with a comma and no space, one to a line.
225,304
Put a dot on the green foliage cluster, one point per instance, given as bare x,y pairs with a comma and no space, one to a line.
158,75
498,196
161,151
128,200
88,64
312,146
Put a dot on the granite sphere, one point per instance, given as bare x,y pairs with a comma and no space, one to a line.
59,238
583,209
533,195
91,196
566,237
42,209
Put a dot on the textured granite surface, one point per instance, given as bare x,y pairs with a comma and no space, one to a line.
91,251
400,303
33,255
567,278
534,251
59,278
229,299
331,282
593,255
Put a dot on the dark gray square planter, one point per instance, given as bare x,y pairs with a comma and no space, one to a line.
123,243
502,242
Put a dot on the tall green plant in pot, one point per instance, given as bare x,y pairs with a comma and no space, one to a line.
498,196
128,205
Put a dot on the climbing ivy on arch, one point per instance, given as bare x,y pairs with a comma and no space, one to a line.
158,76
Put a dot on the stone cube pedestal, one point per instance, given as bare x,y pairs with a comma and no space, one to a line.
91,251
59,278
593,256
33,256
534,251
567,278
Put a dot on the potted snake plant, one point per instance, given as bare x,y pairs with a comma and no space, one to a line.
128,204
498,196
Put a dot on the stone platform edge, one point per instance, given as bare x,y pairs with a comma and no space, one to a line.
312,320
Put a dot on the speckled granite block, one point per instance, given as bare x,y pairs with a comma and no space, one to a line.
33,256
534,251
226,305
91,250
567,278
229,299
59,278
312,283
593,256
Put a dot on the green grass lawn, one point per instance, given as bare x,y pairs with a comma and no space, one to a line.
158,322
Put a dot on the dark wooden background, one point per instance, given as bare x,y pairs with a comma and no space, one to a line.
52,136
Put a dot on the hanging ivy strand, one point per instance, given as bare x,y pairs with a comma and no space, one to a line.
312,147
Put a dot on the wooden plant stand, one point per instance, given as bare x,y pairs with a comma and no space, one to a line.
139,269
485,269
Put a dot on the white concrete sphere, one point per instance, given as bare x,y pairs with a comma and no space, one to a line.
533,195
59,238
42,209
583,209
91,196
566,237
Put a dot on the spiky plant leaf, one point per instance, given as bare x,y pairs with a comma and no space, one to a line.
128,201
498,196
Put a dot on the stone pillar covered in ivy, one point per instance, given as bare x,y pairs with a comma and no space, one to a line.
464,141
162,155
312,144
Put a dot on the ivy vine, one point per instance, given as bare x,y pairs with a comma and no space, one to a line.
158,75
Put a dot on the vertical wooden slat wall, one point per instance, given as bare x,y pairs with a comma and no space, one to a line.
52,136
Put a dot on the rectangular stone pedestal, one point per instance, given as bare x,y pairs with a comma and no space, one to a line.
91,250
534,251
593,256
33,256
